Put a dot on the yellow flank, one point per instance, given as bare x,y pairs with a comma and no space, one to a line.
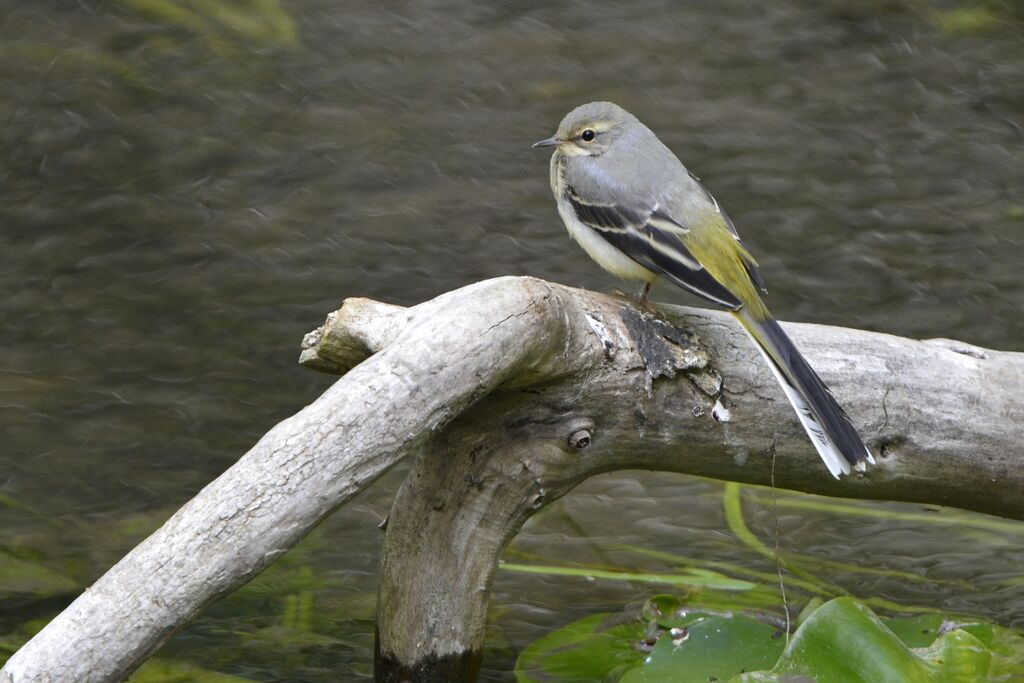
715,247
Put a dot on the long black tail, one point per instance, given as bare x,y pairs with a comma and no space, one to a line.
828,425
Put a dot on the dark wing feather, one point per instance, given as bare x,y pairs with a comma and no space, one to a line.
604,218
652,239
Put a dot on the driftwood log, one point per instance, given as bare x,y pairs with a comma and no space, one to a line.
509,393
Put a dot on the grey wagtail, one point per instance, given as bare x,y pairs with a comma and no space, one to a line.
637,211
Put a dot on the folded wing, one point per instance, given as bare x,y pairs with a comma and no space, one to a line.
653,239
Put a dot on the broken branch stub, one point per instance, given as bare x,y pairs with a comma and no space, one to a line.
298,473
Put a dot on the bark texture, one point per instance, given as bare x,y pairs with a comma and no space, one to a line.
510,392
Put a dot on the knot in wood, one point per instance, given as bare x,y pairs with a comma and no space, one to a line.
579,440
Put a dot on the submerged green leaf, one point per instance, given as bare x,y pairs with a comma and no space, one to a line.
595,648
163,671
27,577
699,578
969,20
733,507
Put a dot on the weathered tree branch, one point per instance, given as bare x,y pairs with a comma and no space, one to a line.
939,414
512,391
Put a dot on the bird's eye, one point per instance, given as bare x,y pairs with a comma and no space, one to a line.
588,135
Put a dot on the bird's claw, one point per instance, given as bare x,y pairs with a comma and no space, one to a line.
639,299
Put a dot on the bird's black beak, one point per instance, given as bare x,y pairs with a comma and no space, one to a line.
548,142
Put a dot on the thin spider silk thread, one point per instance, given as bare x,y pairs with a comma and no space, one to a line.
778,560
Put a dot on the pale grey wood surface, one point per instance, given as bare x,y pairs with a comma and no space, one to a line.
521,366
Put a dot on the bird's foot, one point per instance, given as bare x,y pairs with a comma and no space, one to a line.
639,299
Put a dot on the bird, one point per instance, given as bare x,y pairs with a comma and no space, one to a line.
641,215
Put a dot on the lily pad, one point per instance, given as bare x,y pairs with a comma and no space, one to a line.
666,643
842,641
709,648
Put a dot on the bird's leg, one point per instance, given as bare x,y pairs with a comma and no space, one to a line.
640,298
643,294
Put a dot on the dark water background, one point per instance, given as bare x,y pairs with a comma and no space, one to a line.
183,195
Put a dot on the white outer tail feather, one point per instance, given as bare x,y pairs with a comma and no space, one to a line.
829,452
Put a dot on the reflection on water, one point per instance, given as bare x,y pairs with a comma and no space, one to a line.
184,194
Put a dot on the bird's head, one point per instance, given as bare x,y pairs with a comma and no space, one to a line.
589,130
